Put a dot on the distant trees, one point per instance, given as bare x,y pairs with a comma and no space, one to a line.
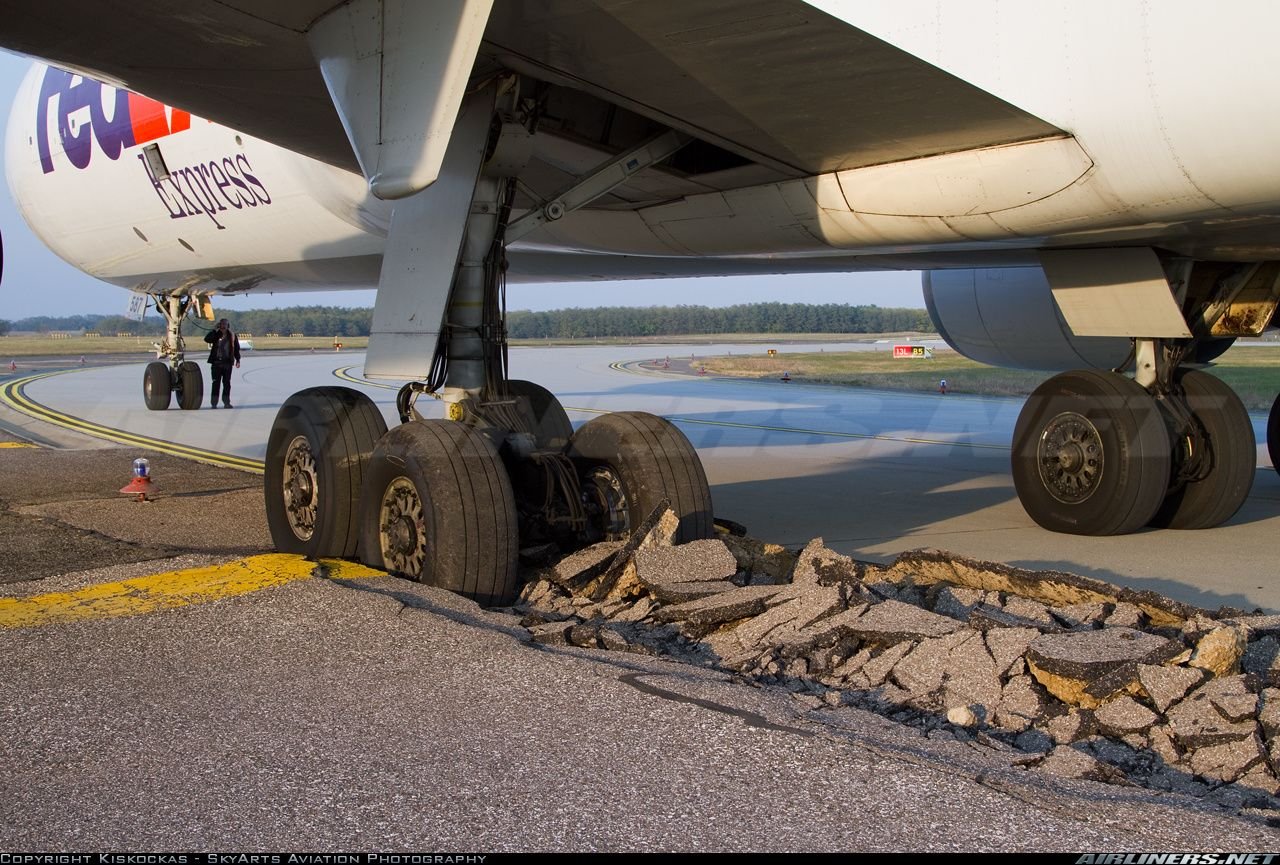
4,327
626,321
308,320
575,323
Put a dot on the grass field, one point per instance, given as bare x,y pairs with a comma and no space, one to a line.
1254,372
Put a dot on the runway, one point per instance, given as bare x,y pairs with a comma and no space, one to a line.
874,473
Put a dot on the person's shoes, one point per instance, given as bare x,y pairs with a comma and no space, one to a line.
213,405
227,405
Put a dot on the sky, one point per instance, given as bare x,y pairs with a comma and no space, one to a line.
67,291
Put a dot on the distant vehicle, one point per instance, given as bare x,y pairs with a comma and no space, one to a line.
246,345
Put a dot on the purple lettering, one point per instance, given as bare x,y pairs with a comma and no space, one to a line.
265,198
113,133
77,144
220,180
177,187
206,177
199,193
55,83
234,175
116,133
159,188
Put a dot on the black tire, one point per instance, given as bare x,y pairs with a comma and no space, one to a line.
1273,435
437,507
317,454
650,460
1091,454
157,385
551,426
1232,452
190,386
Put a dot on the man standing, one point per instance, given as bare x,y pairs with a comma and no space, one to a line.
224,350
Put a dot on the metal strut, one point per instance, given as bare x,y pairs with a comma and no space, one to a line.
469,368
174,308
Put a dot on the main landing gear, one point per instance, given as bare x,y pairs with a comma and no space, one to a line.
450,502
1097,453
175,375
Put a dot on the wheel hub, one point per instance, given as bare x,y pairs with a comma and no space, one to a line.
402,534
1070,458
300,488
603,496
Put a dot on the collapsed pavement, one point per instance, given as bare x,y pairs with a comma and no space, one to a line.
1081,678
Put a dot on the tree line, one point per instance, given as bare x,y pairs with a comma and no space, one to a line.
624,321
573,323
307,320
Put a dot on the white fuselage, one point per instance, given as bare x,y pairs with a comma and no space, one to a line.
1168,143
234,210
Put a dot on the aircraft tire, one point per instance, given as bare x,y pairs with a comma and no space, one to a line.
190,386
1273,434
551,426
157,385
317,456
437,507
1091,454
629,462
1214,498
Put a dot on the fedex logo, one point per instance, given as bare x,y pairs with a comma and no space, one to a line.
82,118
84,111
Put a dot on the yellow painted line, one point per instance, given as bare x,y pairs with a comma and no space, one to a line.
344,373
13,394
18,445
167,591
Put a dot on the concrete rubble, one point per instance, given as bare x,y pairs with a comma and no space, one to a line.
1070,675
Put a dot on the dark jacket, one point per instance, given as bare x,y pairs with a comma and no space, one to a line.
212,338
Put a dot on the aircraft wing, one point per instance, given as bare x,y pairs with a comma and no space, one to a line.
779,83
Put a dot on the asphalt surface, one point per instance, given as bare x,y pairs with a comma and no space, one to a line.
382,715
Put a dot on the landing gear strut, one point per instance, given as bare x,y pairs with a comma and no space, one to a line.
175,375
451,502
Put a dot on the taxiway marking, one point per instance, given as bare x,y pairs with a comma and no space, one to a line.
13,394
172,589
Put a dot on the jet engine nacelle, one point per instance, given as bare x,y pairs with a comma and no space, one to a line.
1008,317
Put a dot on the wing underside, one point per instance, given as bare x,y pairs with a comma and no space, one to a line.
770,89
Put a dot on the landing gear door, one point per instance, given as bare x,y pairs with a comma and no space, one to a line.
422,253
397,71
1114,292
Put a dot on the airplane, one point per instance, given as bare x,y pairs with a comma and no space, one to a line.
1088,188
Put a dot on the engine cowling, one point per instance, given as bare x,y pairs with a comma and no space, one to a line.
1008,317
